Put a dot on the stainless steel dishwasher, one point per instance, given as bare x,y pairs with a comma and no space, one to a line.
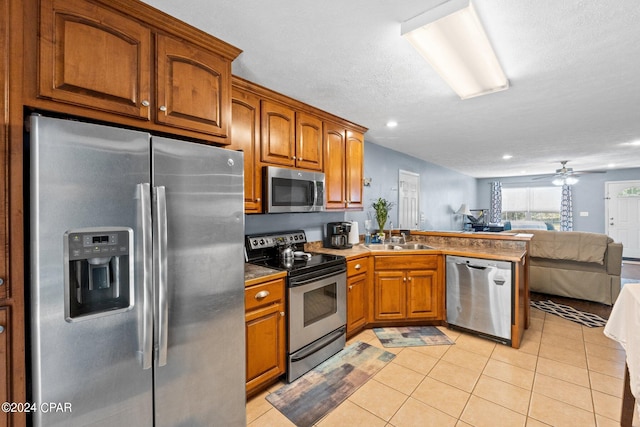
479,296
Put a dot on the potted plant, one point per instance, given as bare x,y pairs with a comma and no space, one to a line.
382,208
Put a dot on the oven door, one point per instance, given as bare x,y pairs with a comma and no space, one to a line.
316,307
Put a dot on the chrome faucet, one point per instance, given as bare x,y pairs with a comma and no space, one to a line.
404,238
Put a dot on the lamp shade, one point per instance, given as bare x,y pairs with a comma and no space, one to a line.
464,210
451,38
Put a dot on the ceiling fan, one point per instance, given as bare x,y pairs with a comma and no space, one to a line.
566,175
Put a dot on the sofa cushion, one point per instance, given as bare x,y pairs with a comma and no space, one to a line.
570,245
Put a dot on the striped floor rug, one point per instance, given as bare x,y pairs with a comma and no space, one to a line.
587,319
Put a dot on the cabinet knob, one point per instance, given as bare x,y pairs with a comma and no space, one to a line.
282,314
300,158
262,295
358,267
258,199
1,281
1,329
163,108
293,158
404,279
350,287
409,278
145,103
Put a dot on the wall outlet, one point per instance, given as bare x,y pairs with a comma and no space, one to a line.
584,213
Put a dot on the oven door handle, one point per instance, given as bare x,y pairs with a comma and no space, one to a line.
308,351
293,283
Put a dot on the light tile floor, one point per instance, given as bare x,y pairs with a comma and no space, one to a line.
564,374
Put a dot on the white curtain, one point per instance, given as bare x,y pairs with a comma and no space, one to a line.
495,211
566,209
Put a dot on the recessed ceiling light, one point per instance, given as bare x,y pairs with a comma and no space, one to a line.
507,156
392,124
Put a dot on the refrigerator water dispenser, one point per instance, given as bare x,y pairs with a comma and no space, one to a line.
98,271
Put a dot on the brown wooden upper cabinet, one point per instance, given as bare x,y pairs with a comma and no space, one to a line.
94,57
290,138
101,58
245,137
344,157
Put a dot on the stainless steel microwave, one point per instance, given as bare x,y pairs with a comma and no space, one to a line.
291,190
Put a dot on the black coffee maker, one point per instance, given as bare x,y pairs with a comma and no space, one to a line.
338,235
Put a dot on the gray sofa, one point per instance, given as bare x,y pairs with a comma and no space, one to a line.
575,264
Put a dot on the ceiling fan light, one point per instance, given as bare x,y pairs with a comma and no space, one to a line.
451,38
558,181
571,180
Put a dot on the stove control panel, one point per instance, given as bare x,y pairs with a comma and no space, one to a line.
264,241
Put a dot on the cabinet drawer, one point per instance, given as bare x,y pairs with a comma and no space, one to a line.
357,266
400,262
266,293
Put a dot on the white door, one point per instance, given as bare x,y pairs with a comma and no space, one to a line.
408,207
622,209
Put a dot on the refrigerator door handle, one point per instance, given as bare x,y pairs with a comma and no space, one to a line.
160,261
144,190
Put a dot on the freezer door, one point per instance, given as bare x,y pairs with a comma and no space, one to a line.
200,361
86,177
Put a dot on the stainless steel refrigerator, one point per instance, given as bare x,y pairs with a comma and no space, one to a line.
137,279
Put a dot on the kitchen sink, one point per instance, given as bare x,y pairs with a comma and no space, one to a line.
399,247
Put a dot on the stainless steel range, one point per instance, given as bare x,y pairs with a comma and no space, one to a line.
316,297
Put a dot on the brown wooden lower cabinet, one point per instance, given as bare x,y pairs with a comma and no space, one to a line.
408,288
357,294
265,333
4,363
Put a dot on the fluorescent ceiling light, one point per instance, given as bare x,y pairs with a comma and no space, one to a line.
451,38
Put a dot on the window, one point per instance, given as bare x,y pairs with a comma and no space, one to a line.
532,204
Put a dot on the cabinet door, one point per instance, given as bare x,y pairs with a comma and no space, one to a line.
265,335
95,58
245,136
4,363
390,295
334,171
422,294
4,146
192,87
309,151
278,134
354,170
356,302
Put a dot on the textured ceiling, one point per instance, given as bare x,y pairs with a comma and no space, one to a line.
573,66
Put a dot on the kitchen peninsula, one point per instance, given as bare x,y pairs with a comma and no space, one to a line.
420,275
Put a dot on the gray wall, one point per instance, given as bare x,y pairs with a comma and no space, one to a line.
442,191
588,195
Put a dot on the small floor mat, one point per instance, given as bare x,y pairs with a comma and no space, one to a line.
587,319
319,391
412,336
